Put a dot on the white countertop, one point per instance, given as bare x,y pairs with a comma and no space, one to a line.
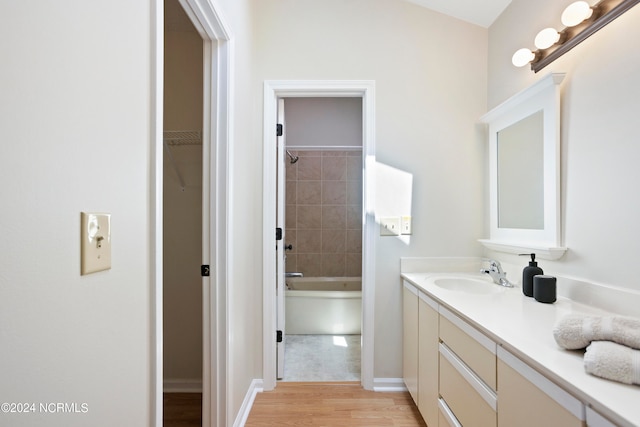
524,327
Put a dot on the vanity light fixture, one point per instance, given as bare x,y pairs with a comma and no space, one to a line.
522,57
575,13
547,38
580,20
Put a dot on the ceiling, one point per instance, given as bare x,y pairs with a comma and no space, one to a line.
479,12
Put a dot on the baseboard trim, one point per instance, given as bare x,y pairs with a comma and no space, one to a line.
182,386
255,387
389,384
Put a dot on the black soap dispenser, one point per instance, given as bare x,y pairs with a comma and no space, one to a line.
527,275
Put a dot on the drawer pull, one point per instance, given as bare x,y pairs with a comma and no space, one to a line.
478,385
448,414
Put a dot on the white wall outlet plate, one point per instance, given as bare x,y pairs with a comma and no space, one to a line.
405,225
95,242
390,226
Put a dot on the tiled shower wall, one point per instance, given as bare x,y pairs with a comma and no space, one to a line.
324,213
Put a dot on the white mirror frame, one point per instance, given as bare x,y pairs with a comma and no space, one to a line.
543,95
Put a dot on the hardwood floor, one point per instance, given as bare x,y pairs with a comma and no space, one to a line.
182,410
307,404
332,404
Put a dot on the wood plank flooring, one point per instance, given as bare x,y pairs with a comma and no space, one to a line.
332,404
182,410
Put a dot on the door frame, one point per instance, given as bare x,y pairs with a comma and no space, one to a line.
280,244
216,137
274,89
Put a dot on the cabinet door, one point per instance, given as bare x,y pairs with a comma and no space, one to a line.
528,399
428,362
410,339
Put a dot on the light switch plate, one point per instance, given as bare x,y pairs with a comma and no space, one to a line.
390,226
95,245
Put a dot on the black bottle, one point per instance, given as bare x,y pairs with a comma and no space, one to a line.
527,275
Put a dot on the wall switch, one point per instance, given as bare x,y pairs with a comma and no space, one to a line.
405,225
390,226
95,244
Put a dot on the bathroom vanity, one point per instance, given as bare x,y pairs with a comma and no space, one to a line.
479,354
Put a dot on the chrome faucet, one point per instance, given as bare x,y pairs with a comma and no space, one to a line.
497,274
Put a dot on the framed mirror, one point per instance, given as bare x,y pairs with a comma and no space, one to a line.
524,171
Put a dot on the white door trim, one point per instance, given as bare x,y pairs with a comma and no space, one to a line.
273,90
216,136
155,202
280,244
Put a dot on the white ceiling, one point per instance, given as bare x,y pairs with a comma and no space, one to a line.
479,12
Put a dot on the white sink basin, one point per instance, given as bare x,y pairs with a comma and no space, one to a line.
467,285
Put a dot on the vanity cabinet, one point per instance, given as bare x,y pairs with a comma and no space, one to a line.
410,339
467,373
529,399
465,368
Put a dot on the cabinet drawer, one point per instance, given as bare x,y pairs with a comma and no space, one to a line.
477,351
472,402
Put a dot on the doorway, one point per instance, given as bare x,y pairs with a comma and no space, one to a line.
182,219
216,129
322,239
364,92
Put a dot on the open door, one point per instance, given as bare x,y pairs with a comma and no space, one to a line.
280,239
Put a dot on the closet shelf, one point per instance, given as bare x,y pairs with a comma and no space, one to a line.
182,137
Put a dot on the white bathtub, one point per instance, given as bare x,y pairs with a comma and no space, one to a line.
323,305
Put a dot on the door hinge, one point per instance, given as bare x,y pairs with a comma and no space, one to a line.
278,336
278,233
279,129
204,270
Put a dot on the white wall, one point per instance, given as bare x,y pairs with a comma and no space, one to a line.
430,74
600,201
245,272
182,245
323,122
75,120
430,79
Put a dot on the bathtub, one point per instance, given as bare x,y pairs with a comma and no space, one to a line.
323,305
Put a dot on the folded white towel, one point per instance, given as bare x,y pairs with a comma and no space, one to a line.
574,332
613,361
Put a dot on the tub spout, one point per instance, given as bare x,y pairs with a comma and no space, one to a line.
293,275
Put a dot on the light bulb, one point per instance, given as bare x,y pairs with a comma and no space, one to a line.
546,38
575,13
522,57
